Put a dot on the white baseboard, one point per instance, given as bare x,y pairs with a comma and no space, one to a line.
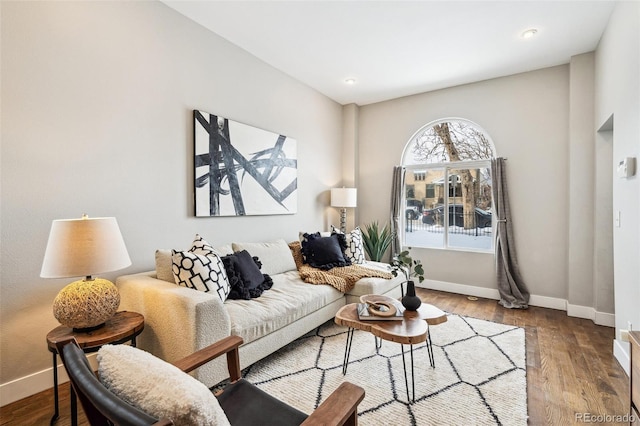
587,312
469,290
492,293
600,318
23,387
548,302
606,319
621,353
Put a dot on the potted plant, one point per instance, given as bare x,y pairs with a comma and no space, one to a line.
403,263
376,240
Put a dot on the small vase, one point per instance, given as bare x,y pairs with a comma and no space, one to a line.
410,301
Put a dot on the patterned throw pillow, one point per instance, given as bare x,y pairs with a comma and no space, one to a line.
200,272
201,246
355,245
164,265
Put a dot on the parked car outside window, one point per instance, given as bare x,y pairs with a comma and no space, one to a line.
434,216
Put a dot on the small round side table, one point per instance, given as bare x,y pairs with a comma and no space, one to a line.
122,327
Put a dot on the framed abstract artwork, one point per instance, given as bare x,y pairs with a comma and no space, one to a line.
241,170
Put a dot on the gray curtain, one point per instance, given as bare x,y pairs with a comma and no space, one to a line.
397,186
512,289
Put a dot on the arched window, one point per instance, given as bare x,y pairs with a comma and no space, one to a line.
448,187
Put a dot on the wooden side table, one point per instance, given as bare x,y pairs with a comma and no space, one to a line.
122,327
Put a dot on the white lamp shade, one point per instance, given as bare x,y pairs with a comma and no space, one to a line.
344,197
84,247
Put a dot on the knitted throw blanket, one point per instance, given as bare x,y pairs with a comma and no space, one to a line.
342,278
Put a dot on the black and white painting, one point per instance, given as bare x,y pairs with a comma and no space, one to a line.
242,170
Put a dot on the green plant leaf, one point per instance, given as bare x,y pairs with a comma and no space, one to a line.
409,267
376,240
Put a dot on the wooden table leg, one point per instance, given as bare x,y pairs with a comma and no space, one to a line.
56,413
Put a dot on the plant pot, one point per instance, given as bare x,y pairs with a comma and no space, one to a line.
410,301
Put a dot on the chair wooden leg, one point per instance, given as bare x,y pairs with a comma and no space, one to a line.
352,420
233,362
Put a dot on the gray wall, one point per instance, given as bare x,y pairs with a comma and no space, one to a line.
96,118
526,115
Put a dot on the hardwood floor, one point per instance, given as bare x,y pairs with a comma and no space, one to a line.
570,367
571,370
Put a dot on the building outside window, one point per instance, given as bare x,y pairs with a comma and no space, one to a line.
452,160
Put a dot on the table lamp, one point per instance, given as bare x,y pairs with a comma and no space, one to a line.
83,248
343,198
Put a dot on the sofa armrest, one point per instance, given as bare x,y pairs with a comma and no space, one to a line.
178,320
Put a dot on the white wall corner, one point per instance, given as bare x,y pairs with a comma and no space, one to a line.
621,353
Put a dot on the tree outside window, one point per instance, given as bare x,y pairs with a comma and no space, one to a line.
452,160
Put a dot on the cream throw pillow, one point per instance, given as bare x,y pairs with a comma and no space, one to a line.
157,387
275,256
164,268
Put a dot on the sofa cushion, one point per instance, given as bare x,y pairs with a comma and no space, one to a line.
164,265
289,300
355,245
200,272
372,285
325,252
157,387
245,278
275,255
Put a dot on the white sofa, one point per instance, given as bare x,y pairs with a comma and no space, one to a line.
180,320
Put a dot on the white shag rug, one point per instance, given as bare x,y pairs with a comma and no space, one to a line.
479,376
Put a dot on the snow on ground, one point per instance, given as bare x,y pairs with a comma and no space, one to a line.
434,237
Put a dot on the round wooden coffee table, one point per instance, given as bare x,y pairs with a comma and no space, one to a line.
412,329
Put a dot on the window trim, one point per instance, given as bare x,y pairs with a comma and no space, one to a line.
439,121
441,165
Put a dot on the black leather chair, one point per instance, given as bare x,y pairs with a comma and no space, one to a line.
242,402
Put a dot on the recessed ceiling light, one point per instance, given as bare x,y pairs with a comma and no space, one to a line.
529,33
350,81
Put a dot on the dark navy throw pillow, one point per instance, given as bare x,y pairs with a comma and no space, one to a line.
325,252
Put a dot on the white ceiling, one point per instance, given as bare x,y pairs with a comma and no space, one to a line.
399,48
